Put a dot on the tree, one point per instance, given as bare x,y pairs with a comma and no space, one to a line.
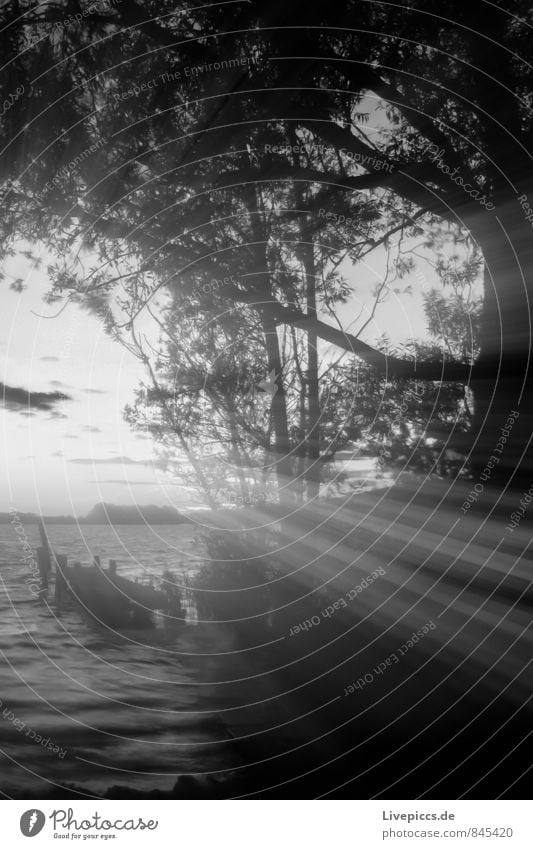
211,356
199,407
456,153
460,150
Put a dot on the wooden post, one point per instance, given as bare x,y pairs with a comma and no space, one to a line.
45,551
61,581
43,562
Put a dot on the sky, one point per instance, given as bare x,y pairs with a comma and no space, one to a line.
65,460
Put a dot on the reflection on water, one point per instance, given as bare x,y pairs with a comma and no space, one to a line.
244,683
136,703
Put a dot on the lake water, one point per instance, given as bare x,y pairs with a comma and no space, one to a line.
117,710
233,688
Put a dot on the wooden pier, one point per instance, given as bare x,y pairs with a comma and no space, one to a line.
105,596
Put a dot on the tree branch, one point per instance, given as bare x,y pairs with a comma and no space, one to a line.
387,365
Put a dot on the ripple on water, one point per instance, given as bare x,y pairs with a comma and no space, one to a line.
95,695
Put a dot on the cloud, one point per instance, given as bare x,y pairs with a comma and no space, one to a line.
91,429
116,461
57,454
16,399
50,359
56,415
92,391
70,436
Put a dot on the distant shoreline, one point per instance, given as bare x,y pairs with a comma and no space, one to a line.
111,515
54,520
106,514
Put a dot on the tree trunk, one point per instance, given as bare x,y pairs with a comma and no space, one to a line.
313,471
283,462
502,383
300,460
235,453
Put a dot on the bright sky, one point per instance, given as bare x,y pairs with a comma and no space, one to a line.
65,461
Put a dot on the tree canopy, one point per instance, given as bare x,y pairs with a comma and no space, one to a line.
210,161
